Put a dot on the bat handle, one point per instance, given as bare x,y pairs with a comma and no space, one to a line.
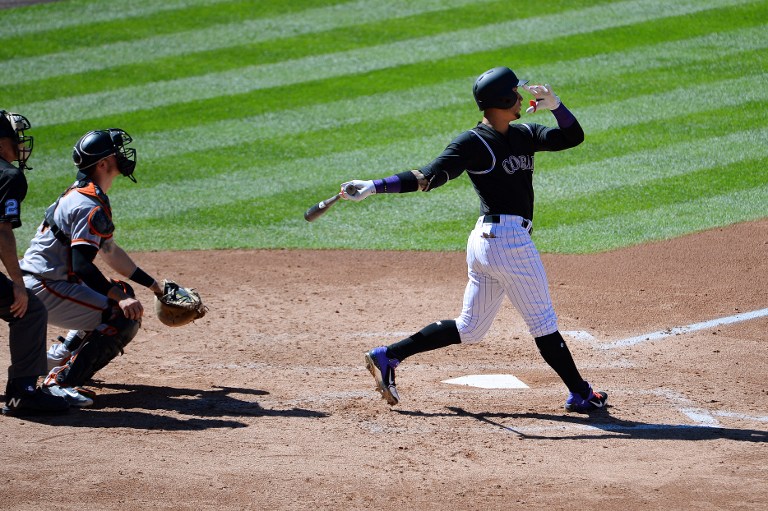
350,189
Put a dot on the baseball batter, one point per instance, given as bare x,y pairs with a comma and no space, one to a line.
502,259
59,268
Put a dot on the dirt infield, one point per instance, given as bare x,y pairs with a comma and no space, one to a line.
265,403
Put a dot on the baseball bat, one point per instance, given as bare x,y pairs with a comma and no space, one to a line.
319,209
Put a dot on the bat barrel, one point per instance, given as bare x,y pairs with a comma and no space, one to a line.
320,208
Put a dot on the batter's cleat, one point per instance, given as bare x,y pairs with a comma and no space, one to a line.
73,397
382,368
595,401
32,401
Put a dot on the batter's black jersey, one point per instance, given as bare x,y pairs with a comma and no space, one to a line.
13,190
501,166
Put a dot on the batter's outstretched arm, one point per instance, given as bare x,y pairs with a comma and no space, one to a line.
449,165
464,152
404,182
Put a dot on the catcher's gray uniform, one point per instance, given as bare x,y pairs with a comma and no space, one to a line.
83,215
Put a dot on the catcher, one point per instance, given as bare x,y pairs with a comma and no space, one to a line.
104,315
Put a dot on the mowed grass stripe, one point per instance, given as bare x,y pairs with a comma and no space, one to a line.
74,13
215,61
90,58
305,177
335,120
313,175
608,115
302,176
663,55
249,78
350,226
173,68
667,221
639,167
656,191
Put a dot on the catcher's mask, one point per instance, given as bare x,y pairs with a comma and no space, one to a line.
13,125
94,146
495,88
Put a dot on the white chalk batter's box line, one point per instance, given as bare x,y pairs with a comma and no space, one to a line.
700,418
670,332
699,415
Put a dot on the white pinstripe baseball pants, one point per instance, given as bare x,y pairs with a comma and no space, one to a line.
502,260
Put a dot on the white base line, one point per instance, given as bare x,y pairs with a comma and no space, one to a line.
685,329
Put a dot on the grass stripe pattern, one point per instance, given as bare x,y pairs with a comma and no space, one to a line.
245,113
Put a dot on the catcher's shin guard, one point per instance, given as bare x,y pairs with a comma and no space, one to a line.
97,350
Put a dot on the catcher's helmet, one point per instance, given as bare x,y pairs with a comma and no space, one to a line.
94,146
13,125
493,89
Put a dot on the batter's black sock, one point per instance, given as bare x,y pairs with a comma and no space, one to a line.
431,337
552,347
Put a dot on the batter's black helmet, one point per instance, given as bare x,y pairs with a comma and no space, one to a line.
493,89
12,126
94,146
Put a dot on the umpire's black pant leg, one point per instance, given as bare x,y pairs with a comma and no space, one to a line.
27,338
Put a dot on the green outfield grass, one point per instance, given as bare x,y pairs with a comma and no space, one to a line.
244,113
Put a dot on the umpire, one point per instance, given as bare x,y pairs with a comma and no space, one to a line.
26,316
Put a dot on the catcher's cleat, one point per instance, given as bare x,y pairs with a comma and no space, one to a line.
382,368
73,397
595,401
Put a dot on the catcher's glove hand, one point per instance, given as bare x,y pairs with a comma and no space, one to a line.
178,305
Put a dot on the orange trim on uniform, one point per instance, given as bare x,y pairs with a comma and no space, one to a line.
64,297
80,241
90,190
90,224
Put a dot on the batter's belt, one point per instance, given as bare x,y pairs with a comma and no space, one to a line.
507,219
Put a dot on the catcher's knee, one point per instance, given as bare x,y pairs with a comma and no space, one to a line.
98,349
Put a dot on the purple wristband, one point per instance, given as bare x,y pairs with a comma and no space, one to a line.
390,184
563,116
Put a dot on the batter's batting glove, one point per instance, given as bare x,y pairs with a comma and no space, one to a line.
545,98
363,190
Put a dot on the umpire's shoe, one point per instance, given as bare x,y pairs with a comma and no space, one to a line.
382,369
29,401
593,401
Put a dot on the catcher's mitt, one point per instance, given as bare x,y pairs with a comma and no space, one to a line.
178,305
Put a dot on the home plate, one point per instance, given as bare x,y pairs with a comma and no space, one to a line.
489,381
